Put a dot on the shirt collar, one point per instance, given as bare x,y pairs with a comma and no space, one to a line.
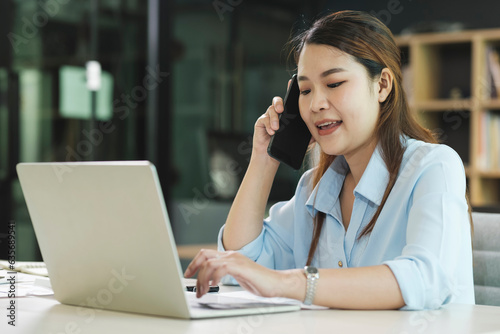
374,180
326,193
372,185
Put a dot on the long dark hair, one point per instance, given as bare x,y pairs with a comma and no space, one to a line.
372,44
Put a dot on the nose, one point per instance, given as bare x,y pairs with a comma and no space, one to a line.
319,102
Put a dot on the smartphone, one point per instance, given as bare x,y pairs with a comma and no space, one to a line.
289,143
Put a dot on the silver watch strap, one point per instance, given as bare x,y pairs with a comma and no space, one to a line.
312,276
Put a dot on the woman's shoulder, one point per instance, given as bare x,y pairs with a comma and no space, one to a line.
419,155
414,146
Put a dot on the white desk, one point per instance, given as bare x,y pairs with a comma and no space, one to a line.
45,315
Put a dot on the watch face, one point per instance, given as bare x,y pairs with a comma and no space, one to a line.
312,270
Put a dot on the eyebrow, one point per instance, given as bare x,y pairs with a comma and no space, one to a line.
324,74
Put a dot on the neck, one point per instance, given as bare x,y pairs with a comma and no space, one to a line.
359,159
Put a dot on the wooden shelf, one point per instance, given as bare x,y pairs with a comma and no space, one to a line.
491,104
449,37
439,63
442,38
443,105
188,252
490,174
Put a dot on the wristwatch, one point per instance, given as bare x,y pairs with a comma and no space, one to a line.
312,275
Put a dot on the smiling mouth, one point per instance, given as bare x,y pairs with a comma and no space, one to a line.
328,125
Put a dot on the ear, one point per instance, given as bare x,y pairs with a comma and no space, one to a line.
384,84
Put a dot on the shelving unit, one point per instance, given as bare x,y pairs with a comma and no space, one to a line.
449,87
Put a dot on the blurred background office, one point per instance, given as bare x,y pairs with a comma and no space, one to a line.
182,83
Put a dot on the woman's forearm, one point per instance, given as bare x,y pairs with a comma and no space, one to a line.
245,219
372,287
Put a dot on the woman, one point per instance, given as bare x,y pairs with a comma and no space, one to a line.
383,215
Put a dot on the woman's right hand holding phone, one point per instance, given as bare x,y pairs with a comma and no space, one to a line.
266,126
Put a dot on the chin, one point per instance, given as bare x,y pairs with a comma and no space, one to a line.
330,150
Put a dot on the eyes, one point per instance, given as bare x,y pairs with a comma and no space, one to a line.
333,85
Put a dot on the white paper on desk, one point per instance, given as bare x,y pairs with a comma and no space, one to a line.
25,285
249,295
39,291
19,278
26,290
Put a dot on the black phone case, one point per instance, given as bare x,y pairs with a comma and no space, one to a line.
289,143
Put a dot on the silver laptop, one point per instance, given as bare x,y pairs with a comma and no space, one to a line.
105,236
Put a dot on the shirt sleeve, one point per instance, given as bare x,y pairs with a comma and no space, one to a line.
273,248
438,233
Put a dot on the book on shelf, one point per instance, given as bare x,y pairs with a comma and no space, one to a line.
489,141
493,75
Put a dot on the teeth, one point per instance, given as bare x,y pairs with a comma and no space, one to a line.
327,123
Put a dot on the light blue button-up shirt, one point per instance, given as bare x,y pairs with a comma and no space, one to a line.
423,232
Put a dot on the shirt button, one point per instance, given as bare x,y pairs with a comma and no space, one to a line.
341,264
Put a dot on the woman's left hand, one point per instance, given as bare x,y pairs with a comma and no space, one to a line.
212,265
